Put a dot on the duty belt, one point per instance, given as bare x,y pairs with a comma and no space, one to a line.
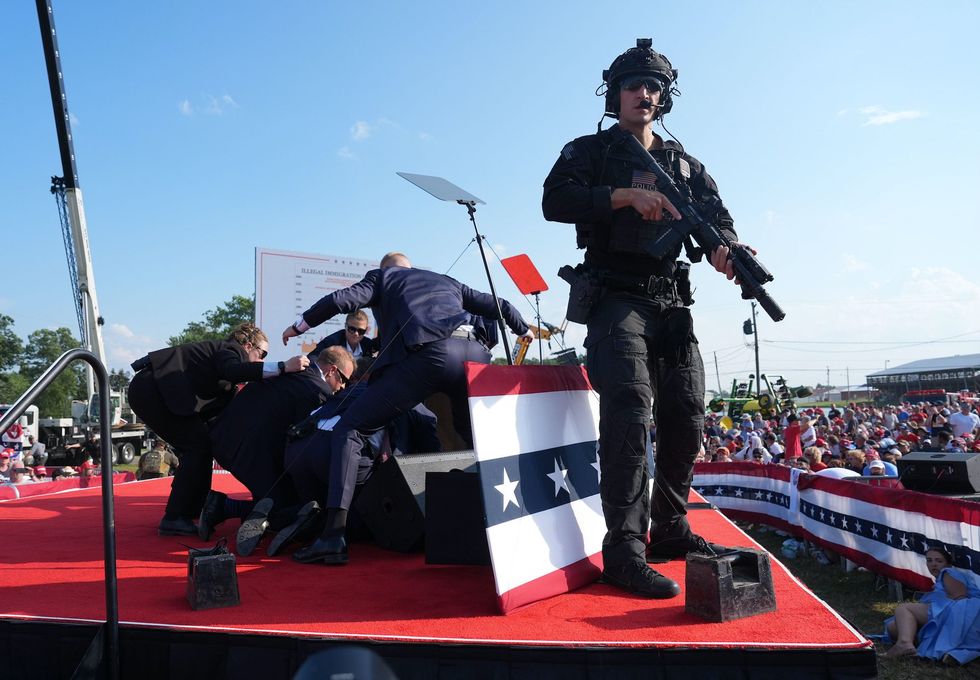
465,334
653,286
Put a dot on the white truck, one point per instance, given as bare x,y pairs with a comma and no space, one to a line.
61,435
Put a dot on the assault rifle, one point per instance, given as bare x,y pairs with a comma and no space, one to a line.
751,274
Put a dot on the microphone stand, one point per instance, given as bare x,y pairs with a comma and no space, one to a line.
471,209
537,314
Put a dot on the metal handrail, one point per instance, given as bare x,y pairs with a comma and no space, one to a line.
111,649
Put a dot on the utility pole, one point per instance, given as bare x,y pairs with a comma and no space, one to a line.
828,376
717,374
758,376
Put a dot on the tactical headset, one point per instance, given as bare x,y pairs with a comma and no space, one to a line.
641,60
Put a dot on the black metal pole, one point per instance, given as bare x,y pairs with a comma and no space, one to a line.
471,209
537,311
758,376
111,651
59,101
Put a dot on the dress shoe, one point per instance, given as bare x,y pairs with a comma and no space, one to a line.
177,527
253,528
212,514
327,550
636,577
302,528
663,549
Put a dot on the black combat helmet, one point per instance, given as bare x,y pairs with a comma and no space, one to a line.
641,60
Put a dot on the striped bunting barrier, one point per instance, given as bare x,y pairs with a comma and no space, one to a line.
886,530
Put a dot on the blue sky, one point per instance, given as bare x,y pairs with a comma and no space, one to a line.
843,136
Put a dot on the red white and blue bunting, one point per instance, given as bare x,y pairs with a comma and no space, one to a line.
886,530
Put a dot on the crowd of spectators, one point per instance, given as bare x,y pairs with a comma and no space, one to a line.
26,469
869,441
843,442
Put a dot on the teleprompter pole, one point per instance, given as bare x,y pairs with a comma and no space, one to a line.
471,209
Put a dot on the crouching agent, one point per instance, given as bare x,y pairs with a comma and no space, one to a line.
177,390
249,440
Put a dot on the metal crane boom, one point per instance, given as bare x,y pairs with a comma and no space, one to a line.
69,194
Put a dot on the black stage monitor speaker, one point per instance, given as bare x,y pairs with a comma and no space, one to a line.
415,466
392,501
940,472
455,526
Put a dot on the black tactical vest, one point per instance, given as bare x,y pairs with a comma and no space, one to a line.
628,233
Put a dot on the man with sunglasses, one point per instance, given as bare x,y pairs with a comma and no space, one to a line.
249,440
642,352
353,337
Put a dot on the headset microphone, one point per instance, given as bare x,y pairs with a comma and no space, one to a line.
646,104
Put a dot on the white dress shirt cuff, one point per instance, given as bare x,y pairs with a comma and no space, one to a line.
300,324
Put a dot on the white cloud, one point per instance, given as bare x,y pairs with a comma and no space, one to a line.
122,330
853,264
73,119
360,131
770,217
363,129
940,285
123,346
842,112
876,115
345,152
214,108
214,105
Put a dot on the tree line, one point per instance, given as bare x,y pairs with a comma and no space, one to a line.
22,361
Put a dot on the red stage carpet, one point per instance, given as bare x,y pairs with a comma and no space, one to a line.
425,621
51,568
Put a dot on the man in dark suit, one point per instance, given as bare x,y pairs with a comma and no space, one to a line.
352,337
308,457
176,390
424,318
249,438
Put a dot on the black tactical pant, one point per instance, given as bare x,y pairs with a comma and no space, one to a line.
642,353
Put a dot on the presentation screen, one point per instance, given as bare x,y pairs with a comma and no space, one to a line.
288,283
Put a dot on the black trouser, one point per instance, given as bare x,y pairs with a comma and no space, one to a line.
308,462
188,435
642,354
259,466
435,367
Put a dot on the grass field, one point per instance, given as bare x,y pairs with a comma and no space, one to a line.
864,600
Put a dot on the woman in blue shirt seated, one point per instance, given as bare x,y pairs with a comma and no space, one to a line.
947,620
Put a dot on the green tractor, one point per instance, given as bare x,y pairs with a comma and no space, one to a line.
770,398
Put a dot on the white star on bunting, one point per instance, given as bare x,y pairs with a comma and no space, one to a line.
558,477
508,490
